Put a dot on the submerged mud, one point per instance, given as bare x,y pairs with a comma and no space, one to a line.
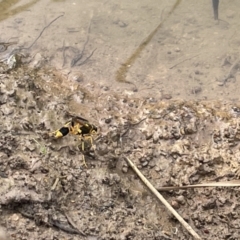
48,193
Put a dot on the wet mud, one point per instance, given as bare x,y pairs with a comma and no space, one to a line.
46,190
48,193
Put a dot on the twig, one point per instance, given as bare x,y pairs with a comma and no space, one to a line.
55,184
184,61
234,183
161,198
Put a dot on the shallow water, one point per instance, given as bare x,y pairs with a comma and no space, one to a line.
187,57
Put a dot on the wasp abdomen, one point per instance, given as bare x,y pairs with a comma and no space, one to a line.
62,132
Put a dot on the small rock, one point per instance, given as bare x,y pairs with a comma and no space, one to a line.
145,163
148,135
181,199
78,77
26,77
15,217
102,149
127,149
152,164
116,178
177,148
108,120
37,61
166,96
209,219
30,147
222,201
210,204
175,204
118,151
125,169
155,137
114,144
157,169
6,109
105,88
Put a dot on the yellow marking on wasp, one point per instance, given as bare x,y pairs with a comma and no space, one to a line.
77,126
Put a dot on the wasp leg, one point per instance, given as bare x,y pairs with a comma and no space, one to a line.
82,149
83,146
83,158
89,138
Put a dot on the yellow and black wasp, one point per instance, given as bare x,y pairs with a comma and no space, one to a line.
77,126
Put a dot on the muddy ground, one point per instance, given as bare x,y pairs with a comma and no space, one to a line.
48,193
188,57
178,121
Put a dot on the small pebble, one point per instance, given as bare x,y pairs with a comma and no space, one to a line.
105,88
78,77
152,164
181,199
175,204
144,164
155,137
102,149
166,96
124,169
108,120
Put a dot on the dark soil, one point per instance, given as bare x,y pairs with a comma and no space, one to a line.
48,193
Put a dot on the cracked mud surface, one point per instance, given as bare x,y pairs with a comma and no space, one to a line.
47,192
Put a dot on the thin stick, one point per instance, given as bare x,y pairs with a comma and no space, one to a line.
55,184
161,198
234,183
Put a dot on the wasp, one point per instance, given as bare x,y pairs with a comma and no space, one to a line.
77,126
